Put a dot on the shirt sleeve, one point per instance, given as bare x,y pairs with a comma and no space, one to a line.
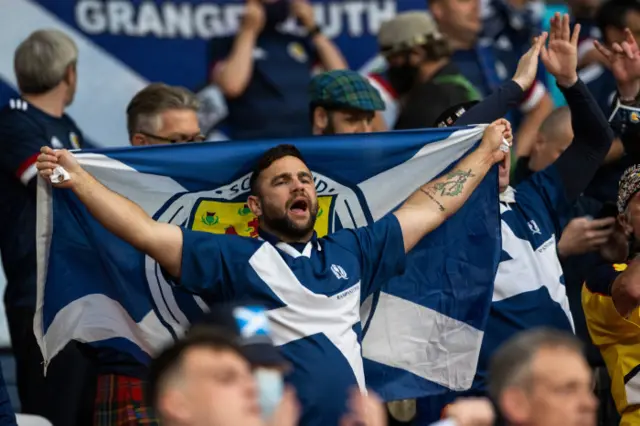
205,263
494,106
380,250
592,138
20,142
605,324
533,96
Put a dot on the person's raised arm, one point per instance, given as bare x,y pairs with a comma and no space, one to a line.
625,290
510,93
234,73
592,134
439,199
122,217
328,53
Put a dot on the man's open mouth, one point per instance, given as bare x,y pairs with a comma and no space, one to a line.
299,206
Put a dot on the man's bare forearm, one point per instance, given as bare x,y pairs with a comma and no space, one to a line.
436,201
237,70
120,216
329,54
449,192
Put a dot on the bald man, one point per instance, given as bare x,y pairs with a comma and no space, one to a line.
553,138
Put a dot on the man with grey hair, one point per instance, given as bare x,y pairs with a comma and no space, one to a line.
540,377
45,69
160,114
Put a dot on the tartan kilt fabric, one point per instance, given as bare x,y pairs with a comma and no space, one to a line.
120,401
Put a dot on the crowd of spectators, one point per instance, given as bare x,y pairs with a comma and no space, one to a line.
560,346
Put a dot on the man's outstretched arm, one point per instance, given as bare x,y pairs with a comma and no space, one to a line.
439,199
122,217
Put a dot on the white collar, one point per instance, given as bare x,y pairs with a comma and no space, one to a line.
508,196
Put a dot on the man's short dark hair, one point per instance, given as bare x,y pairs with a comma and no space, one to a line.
169,361
268,158
613,13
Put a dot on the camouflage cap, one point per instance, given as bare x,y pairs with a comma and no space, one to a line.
345,89
628,187
406,30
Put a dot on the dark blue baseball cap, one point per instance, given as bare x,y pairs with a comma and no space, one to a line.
250,324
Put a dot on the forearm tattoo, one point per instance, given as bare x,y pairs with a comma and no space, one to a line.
451,185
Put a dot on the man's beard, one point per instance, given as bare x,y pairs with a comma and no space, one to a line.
285,227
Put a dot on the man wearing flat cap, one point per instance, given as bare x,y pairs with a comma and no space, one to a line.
420,69
343,102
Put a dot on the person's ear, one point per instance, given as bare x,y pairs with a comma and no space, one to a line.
625,224
320,118
139,140
255,205
515,406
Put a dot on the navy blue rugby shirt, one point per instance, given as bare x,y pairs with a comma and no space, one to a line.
542,207
312,294
529,287
24,129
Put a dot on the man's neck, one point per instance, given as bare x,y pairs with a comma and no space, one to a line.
51,103
429,69
457,43
285,238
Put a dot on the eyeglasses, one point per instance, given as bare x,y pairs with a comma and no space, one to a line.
196,138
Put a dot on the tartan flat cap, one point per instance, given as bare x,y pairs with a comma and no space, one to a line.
345,89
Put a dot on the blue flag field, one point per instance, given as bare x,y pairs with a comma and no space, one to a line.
422,332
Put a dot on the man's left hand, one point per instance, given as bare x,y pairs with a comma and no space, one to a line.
561,57
303,10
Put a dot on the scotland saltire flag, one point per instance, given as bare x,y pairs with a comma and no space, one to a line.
422,332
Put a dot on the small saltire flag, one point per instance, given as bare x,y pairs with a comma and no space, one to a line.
422,332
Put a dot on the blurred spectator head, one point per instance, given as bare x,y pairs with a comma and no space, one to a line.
283,195
160,114
342,102
541,378
410,42
46,61
583,9
251,327
614,16
204,379
553,138
458,19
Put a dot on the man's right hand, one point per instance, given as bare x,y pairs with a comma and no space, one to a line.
493,138
253,19
49,159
